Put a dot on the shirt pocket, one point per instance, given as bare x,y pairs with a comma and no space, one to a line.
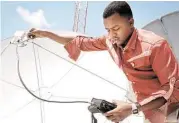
140,62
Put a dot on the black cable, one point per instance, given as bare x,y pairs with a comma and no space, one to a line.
93,118
45,100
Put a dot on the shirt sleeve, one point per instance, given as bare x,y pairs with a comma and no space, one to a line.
82,43
166,67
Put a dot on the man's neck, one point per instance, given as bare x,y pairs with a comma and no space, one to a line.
128,38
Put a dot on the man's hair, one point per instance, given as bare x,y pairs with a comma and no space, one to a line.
120,7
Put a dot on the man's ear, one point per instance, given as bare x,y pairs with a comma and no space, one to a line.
131,21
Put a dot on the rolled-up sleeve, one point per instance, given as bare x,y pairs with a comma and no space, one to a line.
82,43
166,67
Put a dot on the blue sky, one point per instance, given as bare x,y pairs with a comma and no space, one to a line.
59,15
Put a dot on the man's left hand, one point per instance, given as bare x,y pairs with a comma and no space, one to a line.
122,111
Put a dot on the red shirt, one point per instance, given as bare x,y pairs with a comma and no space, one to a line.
147,60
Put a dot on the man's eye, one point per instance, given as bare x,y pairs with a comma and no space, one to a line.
116,29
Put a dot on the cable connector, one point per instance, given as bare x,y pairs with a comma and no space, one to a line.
20,37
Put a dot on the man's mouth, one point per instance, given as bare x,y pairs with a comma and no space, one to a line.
115,41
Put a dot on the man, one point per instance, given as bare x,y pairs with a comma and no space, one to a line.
146,59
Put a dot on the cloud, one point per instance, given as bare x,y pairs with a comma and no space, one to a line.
35,19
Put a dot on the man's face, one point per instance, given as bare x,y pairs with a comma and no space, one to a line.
118,27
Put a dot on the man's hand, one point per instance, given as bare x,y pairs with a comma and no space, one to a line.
122,111
34,33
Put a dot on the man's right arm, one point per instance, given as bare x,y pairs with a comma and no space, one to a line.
73,44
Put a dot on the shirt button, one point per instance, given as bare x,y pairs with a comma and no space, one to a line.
133,82
127,74
132,64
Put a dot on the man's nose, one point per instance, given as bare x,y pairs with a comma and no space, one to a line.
112,34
